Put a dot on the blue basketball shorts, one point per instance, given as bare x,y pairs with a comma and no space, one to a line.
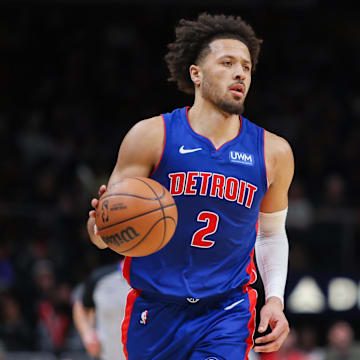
189,330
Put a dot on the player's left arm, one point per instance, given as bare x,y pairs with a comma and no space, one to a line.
272,245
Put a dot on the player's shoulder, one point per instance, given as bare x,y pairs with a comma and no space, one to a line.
157,123
91,283
279,157
151,123
277,147
102,271
148,129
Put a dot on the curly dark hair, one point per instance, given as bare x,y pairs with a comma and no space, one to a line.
193,38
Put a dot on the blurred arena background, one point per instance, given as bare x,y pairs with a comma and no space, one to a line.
76,75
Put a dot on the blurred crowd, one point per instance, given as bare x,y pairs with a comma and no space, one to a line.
74,79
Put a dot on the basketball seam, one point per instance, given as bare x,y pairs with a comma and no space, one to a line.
134,217
132,195
157,197
145,236
162,210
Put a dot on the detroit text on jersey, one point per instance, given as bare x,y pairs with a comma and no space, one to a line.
213,185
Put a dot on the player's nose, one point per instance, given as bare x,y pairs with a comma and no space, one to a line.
239,73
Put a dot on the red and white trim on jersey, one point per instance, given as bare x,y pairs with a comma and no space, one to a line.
251,271
266,172
126,269
163,149
131,298
252,293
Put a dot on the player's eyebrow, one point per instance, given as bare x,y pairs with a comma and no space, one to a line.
234,58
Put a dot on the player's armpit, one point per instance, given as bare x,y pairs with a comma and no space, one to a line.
141,150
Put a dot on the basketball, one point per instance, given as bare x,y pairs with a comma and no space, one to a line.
136,216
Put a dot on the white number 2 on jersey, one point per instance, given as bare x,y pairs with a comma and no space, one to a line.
212,222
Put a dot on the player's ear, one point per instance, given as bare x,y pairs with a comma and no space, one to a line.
195,74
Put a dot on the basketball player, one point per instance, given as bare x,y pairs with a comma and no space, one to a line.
98,311
192,299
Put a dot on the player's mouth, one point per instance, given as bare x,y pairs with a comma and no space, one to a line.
238,90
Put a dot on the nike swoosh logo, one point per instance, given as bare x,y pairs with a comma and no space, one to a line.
234,304
186,151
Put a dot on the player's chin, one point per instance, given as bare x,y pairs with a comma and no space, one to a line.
237,98
235,107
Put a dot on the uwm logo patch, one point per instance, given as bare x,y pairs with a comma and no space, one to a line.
241,158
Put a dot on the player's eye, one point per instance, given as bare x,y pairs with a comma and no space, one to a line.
227,63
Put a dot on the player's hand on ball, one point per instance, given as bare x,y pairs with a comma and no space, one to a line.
95,201
94,204
272,314
137,216
91,226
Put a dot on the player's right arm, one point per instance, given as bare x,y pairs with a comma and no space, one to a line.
139,154
271,246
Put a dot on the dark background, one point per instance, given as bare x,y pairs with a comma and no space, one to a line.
75,76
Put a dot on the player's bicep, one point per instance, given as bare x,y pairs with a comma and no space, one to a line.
140,150
276,197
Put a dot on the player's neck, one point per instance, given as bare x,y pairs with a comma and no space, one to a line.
208,120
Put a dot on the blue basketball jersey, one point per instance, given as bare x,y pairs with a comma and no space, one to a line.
218,194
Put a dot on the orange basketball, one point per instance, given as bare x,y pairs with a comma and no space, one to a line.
136,216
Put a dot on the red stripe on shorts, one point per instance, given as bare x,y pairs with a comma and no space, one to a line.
132,296
251,270
251,324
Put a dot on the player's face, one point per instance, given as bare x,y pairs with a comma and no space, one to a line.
226,75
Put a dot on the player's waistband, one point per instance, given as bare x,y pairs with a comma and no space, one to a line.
169,299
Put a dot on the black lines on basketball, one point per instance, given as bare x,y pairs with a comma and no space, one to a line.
162,209
134,217
133,195
166,218
137,217
144,237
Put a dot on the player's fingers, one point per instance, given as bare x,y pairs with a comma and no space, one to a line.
94,203
264,321
280,328
102,189
273,345
92,213
96,231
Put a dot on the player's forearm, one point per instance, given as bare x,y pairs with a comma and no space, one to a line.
272,252
95,239
83,319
